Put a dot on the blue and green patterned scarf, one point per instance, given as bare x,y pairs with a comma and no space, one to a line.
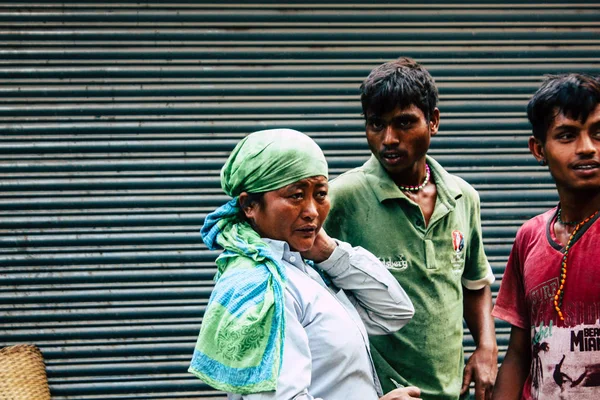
240,345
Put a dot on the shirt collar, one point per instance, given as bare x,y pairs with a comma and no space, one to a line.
385,188
278,247
281,252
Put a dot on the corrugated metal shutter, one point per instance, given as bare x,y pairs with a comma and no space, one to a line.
115,118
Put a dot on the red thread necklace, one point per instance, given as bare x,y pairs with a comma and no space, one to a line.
558,298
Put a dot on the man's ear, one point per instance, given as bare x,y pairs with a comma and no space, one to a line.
536,147
249,208
434,121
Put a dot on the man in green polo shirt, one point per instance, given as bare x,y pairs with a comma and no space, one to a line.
424,224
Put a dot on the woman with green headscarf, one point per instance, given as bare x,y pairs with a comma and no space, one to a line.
292,308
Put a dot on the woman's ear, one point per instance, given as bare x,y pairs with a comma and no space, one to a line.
247,206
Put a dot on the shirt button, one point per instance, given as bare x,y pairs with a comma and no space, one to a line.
419,223
292,259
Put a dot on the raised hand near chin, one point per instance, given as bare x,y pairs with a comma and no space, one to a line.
322,248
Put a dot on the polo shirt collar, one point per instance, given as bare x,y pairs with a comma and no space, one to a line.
385,189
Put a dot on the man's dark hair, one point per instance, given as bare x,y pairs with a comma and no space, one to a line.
399,83
573,95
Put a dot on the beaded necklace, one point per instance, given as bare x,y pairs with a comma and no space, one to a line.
421,186
558,298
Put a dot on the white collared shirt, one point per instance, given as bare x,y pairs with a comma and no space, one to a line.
326,350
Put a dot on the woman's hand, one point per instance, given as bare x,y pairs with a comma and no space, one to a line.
322,248
406,393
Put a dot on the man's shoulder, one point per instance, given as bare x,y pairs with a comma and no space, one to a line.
451,181
465,187
346,184
351,197
534,227
468,192
538,222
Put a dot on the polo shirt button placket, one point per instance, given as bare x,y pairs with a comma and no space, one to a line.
419,223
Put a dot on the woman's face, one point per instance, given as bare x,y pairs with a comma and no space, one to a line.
294,213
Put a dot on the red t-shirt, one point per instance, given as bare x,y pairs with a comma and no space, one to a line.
565,355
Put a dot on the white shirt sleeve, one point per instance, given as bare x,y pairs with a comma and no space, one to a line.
295,372
379,299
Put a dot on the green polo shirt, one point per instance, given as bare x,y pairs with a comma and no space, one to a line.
432,263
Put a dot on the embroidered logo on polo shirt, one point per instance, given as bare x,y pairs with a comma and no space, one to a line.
396,265
458,241
458,244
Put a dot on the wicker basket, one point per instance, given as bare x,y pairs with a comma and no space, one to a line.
23,373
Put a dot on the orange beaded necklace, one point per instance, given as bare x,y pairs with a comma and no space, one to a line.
558,298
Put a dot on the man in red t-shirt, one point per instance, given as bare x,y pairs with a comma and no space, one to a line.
550,292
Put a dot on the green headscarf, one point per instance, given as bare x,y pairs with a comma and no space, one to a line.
240,345
271,159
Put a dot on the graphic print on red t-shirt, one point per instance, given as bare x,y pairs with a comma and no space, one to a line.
565,355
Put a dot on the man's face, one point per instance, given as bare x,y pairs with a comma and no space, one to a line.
572,151
401,137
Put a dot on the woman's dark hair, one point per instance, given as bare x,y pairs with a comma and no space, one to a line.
573,95
399,83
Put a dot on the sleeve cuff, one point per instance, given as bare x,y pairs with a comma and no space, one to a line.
480,283
509,316
334,265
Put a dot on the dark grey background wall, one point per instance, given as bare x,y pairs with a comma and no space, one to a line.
115,118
